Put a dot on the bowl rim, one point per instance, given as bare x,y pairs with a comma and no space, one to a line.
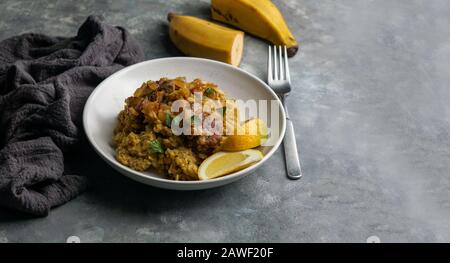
120,167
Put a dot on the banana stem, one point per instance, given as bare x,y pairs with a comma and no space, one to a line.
170,16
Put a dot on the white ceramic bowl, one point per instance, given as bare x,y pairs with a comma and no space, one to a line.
107,100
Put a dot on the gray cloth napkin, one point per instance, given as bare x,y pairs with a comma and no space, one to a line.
44,84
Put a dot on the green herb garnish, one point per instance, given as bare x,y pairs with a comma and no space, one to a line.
209,91
155,147
168,119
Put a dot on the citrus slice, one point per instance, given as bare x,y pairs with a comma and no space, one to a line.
234,143
223,163
256,126
251,134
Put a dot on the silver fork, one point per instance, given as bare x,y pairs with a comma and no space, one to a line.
280,81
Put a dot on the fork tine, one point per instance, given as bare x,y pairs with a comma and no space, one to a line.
269,65
286,65
275,63
281,64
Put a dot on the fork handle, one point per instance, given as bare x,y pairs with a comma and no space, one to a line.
293,168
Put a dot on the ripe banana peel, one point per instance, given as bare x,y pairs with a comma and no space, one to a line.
257,17
200,38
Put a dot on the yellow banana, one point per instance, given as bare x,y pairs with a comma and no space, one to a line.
257,17
200,38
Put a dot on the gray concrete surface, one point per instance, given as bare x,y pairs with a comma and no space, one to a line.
371,110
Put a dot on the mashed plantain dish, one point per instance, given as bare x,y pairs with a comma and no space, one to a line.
148,135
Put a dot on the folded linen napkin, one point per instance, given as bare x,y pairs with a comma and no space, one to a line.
44,84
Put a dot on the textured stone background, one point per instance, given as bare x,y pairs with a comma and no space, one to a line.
370,106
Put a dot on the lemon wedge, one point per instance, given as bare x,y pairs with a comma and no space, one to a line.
222,163
253,133
256,126
236,143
